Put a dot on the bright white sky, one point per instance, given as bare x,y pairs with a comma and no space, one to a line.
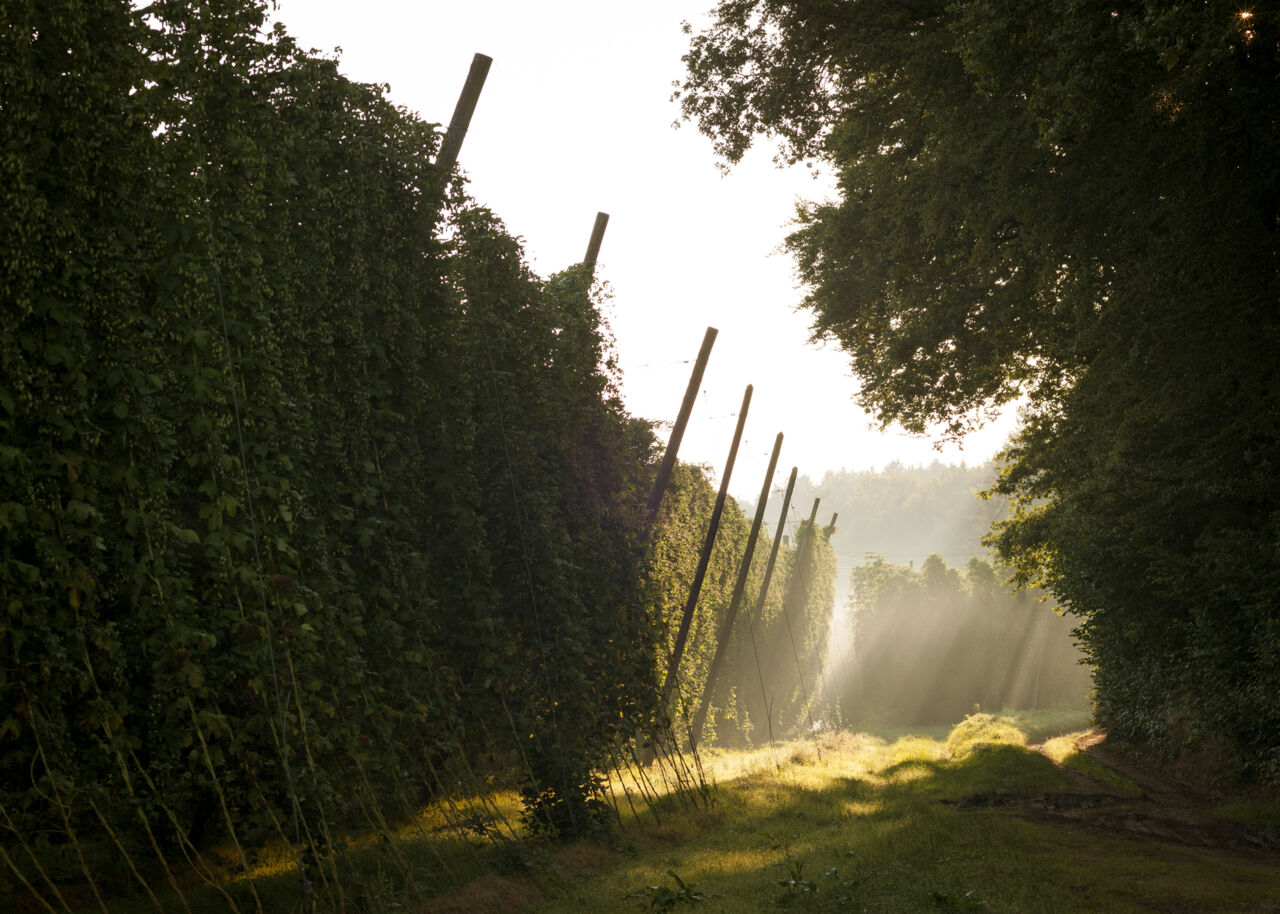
576,118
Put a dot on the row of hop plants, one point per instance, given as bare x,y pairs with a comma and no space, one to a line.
314,500
772,679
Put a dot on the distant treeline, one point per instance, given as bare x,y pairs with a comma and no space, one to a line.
905,513
930,642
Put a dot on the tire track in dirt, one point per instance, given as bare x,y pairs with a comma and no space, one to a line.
1164,809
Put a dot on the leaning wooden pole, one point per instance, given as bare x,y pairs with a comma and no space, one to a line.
798,587
802,555
677,652
597,236
764,593
739,588
462,112
677,430
773,553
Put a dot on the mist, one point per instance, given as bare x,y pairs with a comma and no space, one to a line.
932,645
924,630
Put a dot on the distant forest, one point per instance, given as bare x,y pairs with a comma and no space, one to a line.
904,513
932,645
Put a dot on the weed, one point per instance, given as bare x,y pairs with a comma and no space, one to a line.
664,897
795,884
380,890
966,902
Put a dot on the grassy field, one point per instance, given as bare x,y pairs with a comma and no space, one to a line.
1001,813
959,821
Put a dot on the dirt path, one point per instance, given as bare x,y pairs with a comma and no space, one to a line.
1162,809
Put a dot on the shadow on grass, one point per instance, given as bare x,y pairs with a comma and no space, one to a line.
886,832
852,824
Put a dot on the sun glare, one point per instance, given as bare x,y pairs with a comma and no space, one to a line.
1246,25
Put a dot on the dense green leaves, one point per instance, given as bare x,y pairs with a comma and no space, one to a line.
311,493
1074,202
791,639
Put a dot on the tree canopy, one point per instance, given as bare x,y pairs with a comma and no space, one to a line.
1074,203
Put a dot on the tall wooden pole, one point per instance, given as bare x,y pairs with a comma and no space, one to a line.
797,576
597,236
739,588
773,554
797,587
764,593
673,666
462,112
677,430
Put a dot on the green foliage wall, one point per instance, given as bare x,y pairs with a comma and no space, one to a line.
678,538
310,491
931,644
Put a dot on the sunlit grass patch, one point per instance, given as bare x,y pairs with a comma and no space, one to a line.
1063,751
1063,748
907,750
841,822
856,823
979,730
497,811
857,808
804,753
1046,723
907,772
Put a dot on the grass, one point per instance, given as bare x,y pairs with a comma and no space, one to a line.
402,870
843,822
856,823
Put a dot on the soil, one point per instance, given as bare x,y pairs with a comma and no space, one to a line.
1164,808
